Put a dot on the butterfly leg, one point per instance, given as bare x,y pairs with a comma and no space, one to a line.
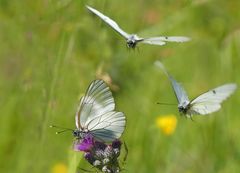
127,47
191,117
138,50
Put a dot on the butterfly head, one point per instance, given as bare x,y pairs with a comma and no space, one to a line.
132,41
78,133
183,107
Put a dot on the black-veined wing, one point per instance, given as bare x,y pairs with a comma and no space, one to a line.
97,101
211,101
107,127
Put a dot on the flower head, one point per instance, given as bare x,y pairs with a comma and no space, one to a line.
99,145
167,124
84,144
99,154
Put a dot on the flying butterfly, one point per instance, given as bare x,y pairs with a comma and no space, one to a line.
206,103
96,114
133,39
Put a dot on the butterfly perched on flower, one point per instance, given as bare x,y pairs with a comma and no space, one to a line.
96,114
98,123
206,103
133,39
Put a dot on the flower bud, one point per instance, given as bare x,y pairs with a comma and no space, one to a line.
108,152
117,144
116,151
105,161
99,154
99,145
105,169
89,157
96,163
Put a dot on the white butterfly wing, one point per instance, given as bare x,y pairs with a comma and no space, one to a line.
211,101
153,41
163,40
180,93
109,21
97,101
108,126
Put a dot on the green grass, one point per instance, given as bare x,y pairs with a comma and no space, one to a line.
49,54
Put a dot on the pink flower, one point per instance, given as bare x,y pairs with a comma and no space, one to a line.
84,144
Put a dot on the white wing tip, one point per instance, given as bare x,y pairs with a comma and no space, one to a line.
185,39
233,86
179,39
90,8
160,65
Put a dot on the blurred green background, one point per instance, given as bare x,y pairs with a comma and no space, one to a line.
51,50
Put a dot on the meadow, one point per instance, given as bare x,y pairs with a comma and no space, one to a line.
51,51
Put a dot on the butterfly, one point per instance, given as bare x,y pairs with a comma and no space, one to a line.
96,114
205,103
133,39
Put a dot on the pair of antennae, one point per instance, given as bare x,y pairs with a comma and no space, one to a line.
59,127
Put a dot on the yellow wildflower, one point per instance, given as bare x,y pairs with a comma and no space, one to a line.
59,168
167,124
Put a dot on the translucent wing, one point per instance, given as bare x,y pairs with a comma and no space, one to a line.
162,40
180,93
211,101
153,41
108,126
97,101
109,21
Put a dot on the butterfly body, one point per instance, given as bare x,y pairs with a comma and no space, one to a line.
79,133
184,107
96,114
132,41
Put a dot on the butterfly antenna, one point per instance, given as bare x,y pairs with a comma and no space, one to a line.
59,127
169,104
63,131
